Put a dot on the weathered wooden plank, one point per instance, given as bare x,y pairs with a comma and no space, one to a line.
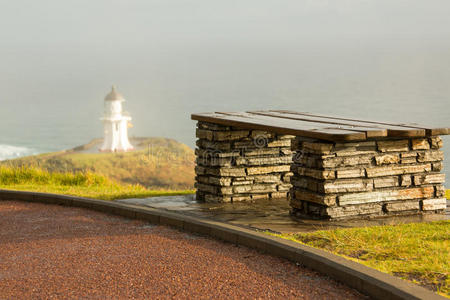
387,130
302,125
371,131
324,133
429,130
340,129
393,130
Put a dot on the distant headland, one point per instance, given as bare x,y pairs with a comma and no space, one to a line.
159,163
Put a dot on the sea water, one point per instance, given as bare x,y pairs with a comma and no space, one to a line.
47,106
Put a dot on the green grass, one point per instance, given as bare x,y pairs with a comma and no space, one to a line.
83,184
419,252
159,164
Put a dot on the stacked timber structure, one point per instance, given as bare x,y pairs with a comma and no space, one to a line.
235,164
333,168
376,178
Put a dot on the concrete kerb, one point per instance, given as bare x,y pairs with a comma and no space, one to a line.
364,279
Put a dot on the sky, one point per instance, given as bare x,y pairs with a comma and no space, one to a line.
173,57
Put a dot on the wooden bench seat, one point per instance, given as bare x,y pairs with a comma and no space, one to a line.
318,126
329,167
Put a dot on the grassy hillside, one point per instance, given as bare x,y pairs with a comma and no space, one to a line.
78,184
160,164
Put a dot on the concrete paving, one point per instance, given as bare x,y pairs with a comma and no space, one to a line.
272,215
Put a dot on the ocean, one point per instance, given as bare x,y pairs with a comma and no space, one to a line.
48,107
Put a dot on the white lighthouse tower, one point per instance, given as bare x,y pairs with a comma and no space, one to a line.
115,123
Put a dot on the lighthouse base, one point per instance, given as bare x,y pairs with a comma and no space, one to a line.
116,150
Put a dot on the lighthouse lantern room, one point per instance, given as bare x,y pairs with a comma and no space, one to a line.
115,124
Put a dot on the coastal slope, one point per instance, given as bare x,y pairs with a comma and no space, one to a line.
157,163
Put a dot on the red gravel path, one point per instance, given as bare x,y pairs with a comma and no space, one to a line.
54,252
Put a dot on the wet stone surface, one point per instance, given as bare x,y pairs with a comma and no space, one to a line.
271,214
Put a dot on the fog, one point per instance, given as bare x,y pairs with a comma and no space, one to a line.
170,58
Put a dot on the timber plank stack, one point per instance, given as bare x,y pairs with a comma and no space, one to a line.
376,178
336,168
234,164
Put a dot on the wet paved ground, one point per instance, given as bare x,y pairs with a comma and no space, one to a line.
270,215
55,252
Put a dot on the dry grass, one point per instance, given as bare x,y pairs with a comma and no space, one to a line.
83,184
164,164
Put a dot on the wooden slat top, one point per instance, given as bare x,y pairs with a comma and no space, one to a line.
318,126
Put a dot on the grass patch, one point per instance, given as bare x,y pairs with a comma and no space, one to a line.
159,164
83,184
418,252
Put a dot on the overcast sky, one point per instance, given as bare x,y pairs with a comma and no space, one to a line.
58,58
112,31
98,25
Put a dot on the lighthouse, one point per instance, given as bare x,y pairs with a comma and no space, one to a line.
115,124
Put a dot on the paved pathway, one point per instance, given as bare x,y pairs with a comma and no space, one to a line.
266,214
54,252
